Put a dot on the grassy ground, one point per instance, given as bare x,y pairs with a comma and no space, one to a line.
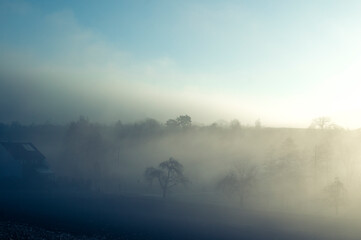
17,231
59,215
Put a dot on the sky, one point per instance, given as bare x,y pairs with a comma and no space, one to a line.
283,62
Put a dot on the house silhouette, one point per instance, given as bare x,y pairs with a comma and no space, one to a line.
21,160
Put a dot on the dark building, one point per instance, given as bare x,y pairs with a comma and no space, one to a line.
21,160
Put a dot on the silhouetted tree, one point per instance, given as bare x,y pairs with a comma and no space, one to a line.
184,121
320,123
322,156
257,123
169,174
324,123
83,150
283,171
229,184
150,174
238,182
118,128
171,123
147,127
335,194
235,124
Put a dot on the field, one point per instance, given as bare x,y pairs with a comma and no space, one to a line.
65,215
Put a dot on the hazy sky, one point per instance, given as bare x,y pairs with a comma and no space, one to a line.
285,62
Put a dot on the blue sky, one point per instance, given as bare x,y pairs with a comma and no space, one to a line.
285,62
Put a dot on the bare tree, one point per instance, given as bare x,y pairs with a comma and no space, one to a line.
257,124
235,124
324,123
169,174
335,194
229,184
320,122
238,182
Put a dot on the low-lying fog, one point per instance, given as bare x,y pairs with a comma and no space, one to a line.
308,171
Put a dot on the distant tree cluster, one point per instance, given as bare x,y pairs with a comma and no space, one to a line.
236,162
84,149
183,121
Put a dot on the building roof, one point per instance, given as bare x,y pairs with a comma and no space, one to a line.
24,151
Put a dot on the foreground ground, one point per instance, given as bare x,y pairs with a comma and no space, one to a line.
13,230
74,215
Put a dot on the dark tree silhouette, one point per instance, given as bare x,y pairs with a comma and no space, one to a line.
335,194
235,124
238,183
171,123
169,174
320,122
229,185
257,124
324,123
83,150
184,121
